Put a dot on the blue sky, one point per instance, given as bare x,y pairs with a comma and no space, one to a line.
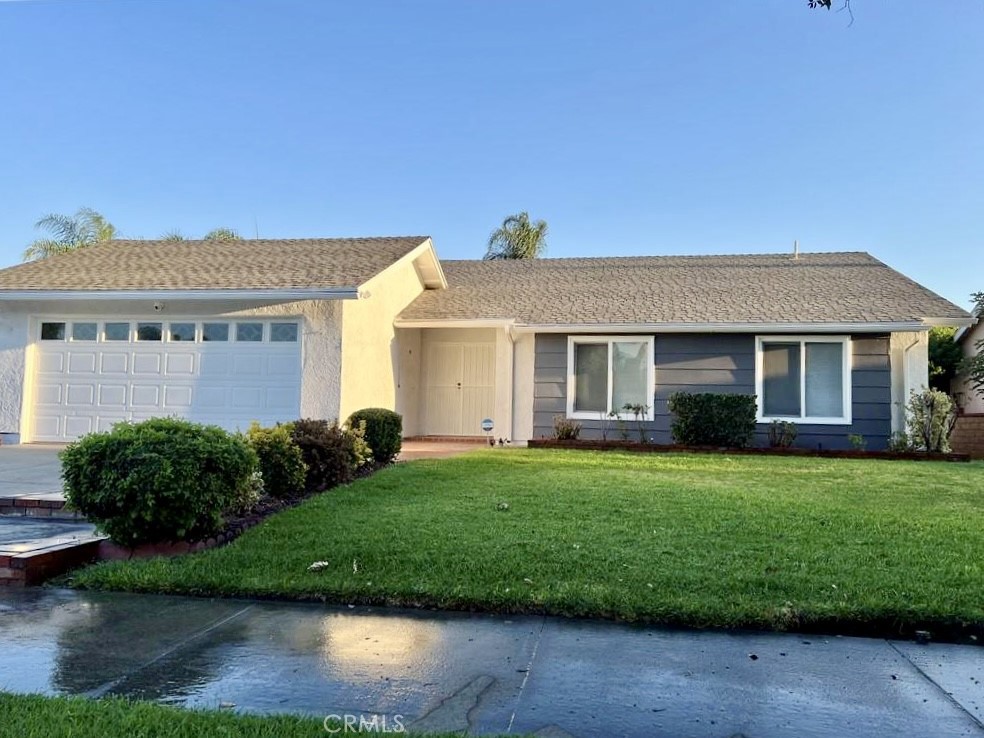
631,127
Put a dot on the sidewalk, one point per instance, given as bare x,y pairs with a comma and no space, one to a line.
484,673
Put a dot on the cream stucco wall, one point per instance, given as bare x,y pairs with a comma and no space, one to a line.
970,401
408,379
370,351
321,344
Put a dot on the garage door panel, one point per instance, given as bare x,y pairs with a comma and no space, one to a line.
51,363
179,364
80,394
82,363
145,395
177,397
147,363
81,387
49,394
113,362
79,425
112,395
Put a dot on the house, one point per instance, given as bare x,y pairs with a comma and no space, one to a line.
969,337
270,330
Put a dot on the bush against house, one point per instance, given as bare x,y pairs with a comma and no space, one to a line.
160,480
331,453
931,416
383,431
710,419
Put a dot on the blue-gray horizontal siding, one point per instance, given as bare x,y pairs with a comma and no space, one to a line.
719,363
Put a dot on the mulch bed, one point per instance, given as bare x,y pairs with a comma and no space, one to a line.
234,527
675,448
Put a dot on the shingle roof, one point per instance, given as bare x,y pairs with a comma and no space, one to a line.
763,288
213,265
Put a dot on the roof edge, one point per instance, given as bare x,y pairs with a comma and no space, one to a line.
302,293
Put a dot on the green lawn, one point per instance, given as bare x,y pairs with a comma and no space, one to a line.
695,540
34,716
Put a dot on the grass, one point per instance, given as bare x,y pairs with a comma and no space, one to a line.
35,716
694,540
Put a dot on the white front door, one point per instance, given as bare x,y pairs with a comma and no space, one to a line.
459,388
90,374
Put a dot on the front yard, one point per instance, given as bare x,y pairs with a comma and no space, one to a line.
705,541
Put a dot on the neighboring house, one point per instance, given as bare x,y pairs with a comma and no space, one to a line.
272,330
971,402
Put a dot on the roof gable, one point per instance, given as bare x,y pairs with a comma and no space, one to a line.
246,265
767,289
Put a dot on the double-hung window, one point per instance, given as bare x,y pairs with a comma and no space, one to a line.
803,379
606,373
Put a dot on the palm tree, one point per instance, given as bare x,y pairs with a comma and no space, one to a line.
518,238
222,234
172,235
69,232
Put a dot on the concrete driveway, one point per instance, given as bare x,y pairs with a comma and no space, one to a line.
30,471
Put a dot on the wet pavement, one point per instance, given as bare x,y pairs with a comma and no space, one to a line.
484,673
30,471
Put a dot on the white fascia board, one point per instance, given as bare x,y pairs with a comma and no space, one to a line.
886,327
426,247
314,293
489,323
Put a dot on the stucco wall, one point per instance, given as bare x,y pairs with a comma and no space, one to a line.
370,351
722,363
909,353
972,402
321,345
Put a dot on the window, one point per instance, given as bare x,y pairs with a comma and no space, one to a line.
805,379
249,331
215,331
283,332
116,332
607,373
52,331
150,331
181,332
84,331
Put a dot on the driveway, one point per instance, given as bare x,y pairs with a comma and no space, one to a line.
484,673
30,471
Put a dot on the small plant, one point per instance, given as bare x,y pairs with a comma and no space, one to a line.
281,463
623,429
248,494
857,441
383,432
639,413
605,420
709,419
899,442
931,417
566,429
782,434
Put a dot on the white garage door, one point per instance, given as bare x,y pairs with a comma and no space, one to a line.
90,374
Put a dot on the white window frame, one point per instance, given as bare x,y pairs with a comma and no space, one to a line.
609,340
847,364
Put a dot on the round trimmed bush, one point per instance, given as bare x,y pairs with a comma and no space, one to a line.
160,480
384,431
331,453
281,463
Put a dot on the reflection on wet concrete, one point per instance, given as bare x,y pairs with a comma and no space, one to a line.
486,674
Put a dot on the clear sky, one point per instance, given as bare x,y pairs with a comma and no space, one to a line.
717,126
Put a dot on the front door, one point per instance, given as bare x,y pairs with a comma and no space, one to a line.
459,388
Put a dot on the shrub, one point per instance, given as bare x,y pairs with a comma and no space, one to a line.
900,443
858,442
383,431
281,462
709,419
931,416
159,480
782,434
566,429
331,453
248,494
